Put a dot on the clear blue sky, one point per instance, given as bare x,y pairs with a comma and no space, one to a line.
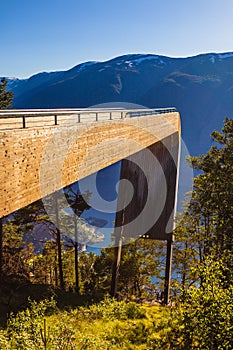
47,35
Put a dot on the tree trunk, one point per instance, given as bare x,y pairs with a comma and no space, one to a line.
59,255
184,267
76,255
55,272
76,267
116,265
59,247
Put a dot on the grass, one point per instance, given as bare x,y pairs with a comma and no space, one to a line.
102,332
77,322
108,324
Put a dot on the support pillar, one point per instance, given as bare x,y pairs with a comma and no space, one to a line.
116,266
167,281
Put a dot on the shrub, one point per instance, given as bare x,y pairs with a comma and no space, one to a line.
110,309
204,317
4,343
28,330
24,328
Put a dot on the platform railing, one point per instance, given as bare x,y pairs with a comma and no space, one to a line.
21,119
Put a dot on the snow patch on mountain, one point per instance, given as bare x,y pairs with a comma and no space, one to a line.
147,58
81,67
212,59
10,79
225,55
134,60
104,68
130,64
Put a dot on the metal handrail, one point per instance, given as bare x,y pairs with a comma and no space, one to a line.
151,112
79,113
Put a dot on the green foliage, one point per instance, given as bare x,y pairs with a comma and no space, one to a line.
91,273
203,255
62,266
107,325
204,317
206,226
63,334
4,342
213,188
141,259
28,330
16,255
187,252
110,309
6,97
24,329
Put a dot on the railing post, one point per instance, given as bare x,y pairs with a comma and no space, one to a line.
110,116
122,115
55,120
24,121
96,116
79,118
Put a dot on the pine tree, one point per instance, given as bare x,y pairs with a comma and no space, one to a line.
214,189
6,97
78,205
208,222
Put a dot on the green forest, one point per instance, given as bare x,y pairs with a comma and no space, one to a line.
59,298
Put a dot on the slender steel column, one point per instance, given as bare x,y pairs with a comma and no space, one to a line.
167,281
116,266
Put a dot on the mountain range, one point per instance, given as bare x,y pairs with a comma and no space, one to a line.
200,87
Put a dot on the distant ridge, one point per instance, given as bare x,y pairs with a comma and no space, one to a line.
200,87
